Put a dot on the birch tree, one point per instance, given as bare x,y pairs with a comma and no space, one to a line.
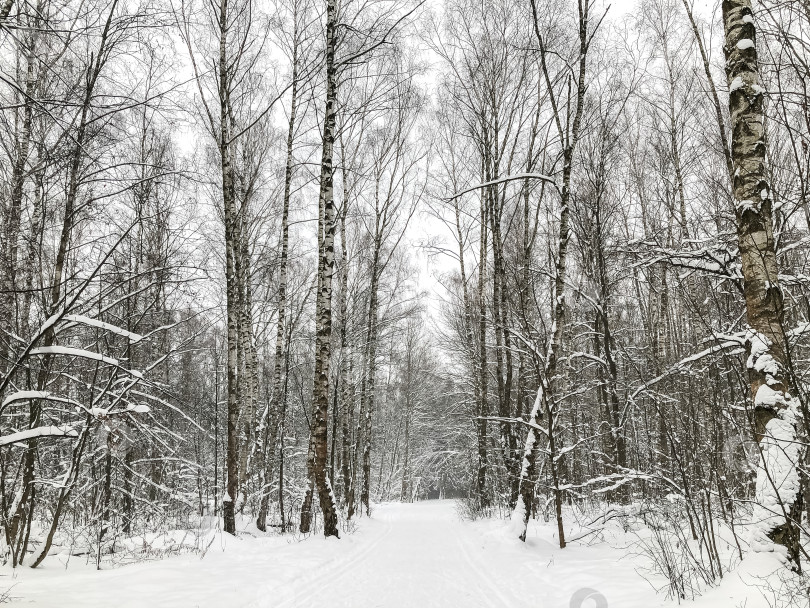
568,123
777,411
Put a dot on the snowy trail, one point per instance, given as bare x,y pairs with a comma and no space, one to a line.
421,558
407,555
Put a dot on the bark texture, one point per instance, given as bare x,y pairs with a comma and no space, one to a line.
231,277
778,495
318,453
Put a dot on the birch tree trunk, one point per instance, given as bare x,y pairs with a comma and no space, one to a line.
231,278
483,404
481,422
272,418
369,381
778,488
569,136
317,460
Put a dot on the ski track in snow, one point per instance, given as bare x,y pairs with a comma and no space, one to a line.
308,587
482,573
418,555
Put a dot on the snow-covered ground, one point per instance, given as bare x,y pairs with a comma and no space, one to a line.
419,555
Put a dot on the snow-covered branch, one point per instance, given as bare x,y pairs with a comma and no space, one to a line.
502,180
40,431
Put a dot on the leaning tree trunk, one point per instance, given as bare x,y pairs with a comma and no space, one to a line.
317,461
778,501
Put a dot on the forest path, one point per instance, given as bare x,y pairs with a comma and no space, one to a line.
418,555
422,555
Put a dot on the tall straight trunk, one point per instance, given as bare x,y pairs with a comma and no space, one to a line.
611,392
281,422
334,434
481,422
247,359
272,418
317,461
569,136
718,113
248,375
35,237
503,354
358,438
778,503
406,448
232,250
349,445
344,401
675,148
8,249
370,376
106,494
483,405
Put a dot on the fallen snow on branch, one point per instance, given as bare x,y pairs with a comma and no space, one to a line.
73,352
24,396
64,430
133,337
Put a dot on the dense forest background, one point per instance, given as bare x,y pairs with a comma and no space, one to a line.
469,222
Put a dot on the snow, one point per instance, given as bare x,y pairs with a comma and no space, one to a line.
745,43
748,585
517,525
747,18
747,205
28,395
769,397
133,337
777,474
139,408
24,396
760,359
531,438
518,518
40,431
737,83
49,322
73,352
406,555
